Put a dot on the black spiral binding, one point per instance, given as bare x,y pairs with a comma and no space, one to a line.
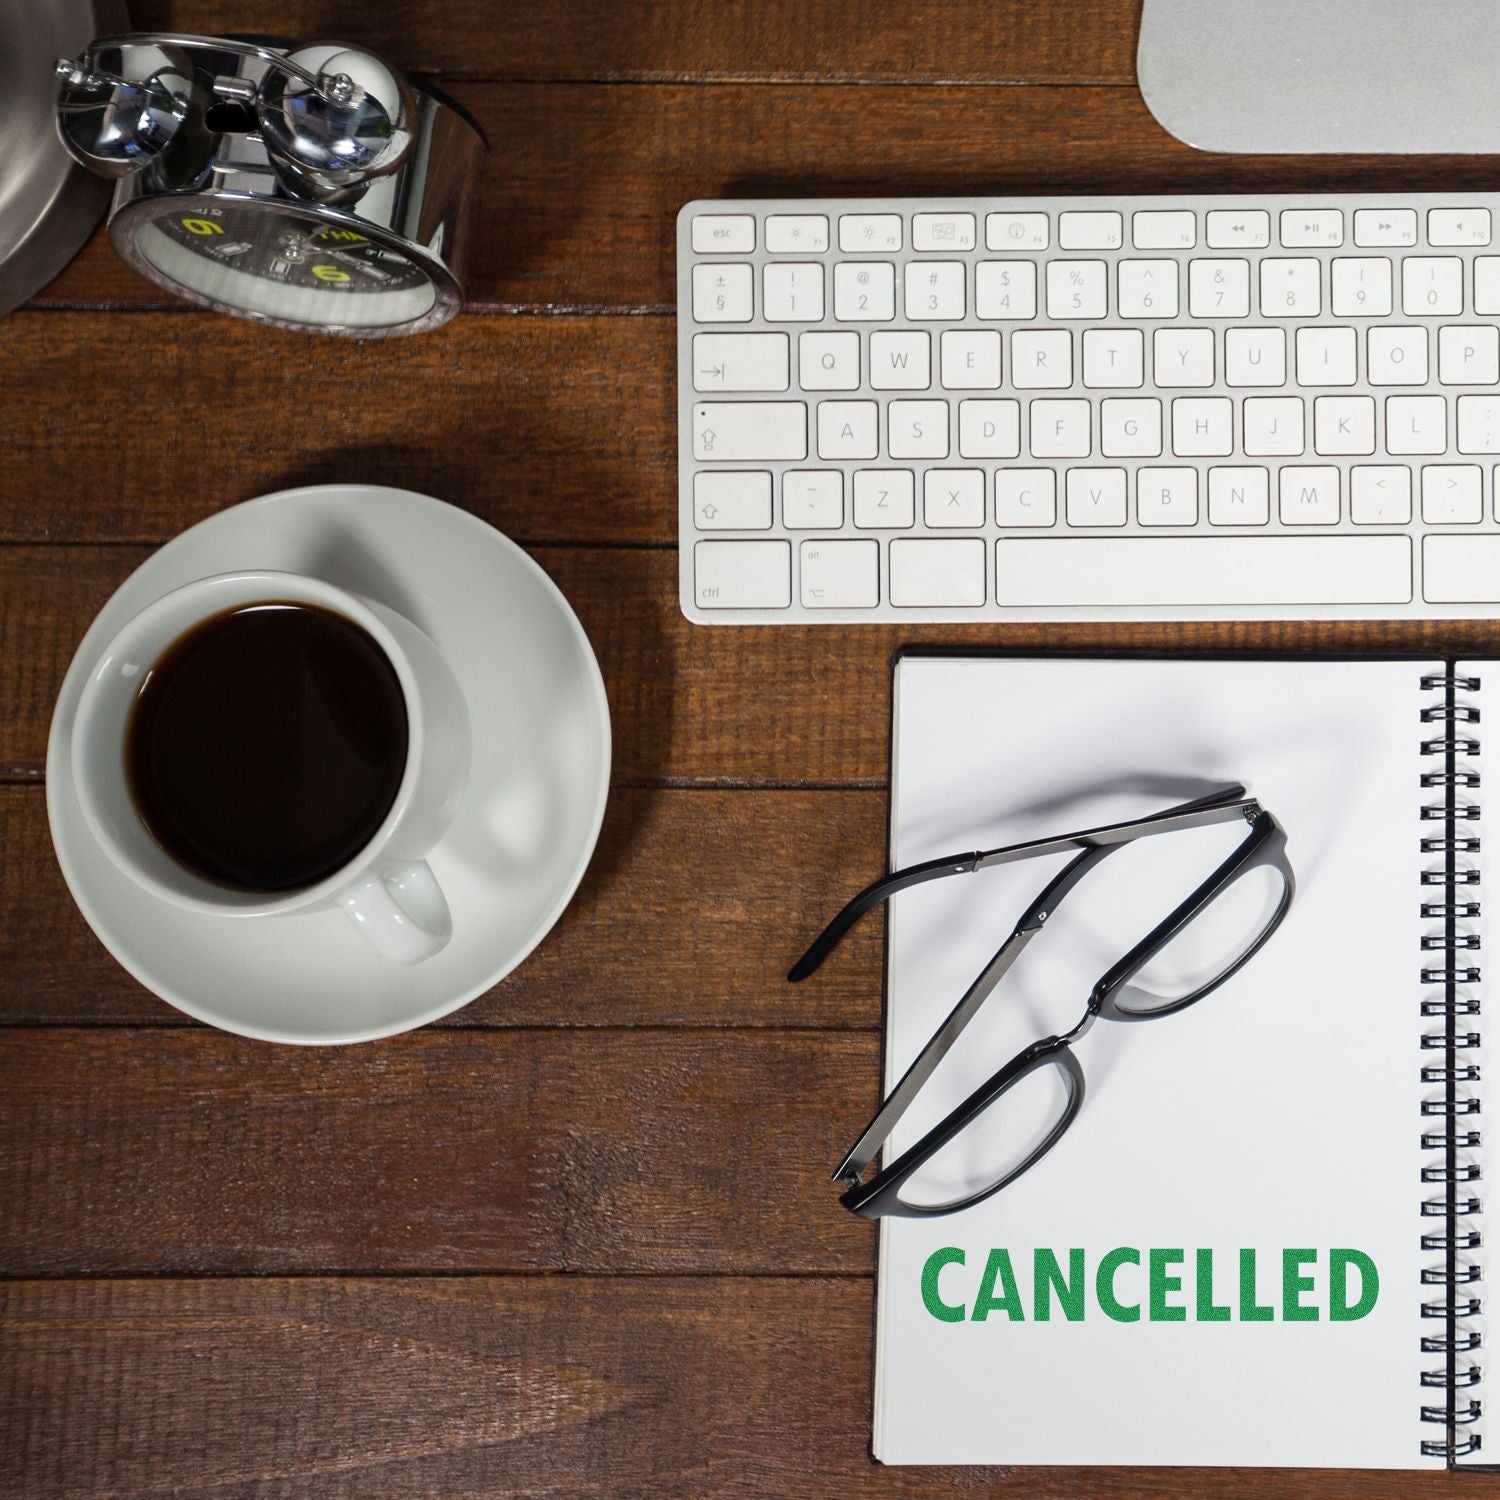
1452,975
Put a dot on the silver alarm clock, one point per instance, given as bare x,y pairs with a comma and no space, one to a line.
308,186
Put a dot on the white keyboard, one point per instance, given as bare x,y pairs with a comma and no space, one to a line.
1243,407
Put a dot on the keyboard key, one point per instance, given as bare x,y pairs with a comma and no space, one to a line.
1487,284
840,575
1290,288
1092,229
741,362
1343,425
1112,572
1005,289
737,430
1469,354
1041,359
953,497
864,291
885,499
1380,494
1461,569
900,361
1308,228
1096,497
729,500
989,429
1059,429
1416,424
1274,426
1432,286
1166,497
1458,226
917,429
1077,289
1202,426
1452,494
812,499
1479,424
828,361
723,293
1238,229
1219,288
1113,358
1164,229
1182,357
1326,356
1398,356
1238,495
934,290
873,232
1375,227
1361,286
971,360
1255,356
1130,427
1016,232
791,234
942,231
1309,495
1025,497
793,293
742,575
723,234
848,429
1148,289
937,574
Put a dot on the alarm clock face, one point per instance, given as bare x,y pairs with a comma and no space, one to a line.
286,267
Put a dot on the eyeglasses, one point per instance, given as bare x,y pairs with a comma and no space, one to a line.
1014,1119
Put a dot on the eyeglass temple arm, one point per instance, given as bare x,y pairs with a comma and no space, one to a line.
1219,806
862,1153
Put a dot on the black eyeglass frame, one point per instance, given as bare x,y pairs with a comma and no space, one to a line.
1263,846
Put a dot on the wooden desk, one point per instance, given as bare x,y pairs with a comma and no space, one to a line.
578,1239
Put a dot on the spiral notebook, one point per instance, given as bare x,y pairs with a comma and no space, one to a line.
1261,1243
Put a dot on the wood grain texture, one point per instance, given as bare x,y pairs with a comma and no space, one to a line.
192,1152
756,705
585,181
694,907
554,1388
971,41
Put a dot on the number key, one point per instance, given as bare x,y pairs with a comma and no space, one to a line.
1219,288
864,291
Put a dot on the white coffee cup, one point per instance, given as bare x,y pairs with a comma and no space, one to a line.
388,890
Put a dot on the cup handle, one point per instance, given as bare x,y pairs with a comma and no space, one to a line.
401,911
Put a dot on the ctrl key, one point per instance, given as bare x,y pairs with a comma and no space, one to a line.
742,575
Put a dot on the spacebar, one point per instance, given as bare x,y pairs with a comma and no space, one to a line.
1205,570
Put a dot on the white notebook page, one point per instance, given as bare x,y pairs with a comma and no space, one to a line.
1282,1112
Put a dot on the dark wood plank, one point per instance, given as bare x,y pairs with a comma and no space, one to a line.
191,1152
540,1387
753,705
972,41
585,181
695,906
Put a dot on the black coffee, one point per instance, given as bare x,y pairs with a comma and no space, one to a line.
267,745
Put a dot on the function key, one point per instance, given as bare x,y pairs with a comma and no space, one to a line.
1458,226
789,233
1174,229
1016,231
1311,228
1095,229
942,231
869,232
723,234
1376,228
1239,229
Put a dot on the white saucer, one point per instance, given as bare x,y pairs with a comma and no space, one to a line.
523,835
